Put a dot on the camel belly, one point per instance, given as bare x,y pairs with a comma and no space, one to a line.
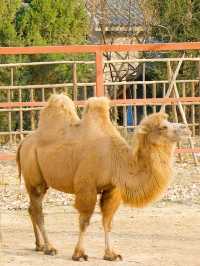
59,182
57,170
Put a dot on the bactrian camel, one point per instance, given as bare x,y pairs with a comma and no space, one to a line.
90,157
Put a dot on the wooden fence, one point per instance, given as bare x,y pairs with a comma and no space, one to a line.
153,91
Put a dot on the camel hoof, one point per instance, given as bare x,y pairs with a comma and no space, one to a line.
79,255
79,258
50,251
39,248
111,256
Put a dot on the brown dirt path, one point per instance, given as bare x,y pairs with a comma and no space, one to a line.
166,234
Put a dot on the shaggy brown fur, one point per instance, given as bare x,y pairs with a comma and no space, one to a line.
91,157
56,117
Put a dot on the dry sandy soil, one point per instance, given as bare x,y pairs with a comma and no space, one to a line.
165,234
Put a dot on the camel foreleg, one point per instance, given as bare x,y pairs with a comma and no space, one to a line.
85,204
110,201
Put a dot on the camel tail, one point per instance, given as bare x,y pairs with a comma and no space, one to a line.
19,163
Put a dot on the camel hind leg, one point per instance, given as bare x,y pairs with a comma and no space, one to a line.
109,203
36,195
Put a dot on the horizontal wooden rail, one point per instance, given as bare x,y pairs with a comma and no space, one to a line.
46,63
119,102
151,60
146,82
100,48
79,84
47,86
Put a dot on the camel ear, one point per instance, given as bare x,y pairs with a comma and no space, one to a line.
164,115
142,130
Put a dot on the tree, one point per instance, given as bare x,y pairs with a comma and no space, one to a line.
177,20
8,35
51,22
42,22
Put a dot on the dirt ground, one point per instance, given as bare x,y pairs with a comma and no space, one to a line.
164,234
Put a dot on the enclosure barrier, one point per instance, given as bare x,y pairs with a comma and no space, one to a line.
100,86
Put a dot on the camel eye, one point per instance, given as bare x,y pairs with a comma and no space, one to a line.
163,128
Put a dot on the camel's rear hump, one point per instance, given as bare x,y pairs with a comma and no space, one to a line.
97,107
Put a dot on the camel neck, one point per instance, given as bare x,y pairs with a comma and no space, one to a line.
145,174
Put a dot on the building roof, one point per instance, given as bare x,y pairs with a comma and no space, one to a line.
116,13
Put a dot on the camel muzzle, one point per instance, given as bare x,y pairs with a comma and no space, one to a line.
181,130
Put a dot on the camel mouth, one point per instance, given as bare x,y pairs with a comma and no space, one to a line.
183,131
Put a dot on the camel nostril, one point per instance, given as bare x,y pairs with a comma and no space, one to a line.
184,129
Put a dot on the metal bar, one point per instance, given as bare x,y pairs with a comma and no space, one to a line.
176,93
43,94
135,108
20,115
85,93
32,113
45,63
185,122
154,96
9,100
148,82
193,111
173,106
144,87
173,80
183,94
141,60
164,93
99,74
147,101
124,109
199,94
115,107
188,150
134,60
2,133
75,93
100,48
39,86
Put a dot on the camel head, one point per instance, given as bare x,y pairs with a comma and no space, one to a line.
158,130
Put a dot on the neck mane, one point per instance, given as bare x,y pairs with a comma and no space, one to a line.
143,172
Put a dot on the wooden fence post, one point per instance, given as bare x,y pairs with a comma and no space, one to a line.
74,93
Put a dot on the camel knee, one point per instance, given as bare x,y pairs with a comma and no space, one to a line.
85,209
84,221
107,222
35,212
30,210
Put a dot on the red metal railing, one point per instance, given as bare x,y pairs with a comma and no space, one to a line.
98,50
